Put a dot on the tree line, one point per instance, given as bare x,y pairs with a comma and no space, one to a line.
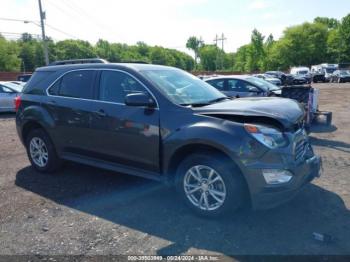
26,54
323,40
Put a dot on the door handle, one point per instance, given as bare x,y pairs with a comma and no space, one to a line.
100,113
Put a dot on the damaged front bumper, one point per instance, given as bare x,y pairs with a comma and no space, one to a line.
302,169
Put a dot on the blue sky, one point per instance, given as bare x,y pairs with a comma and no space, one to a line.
167,22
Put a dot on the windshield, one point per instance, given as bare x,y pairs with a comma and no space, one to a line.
303,72
330,70
183,88
263,84
12,86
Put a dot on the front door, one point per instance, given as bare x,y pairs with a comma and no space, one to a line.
123,134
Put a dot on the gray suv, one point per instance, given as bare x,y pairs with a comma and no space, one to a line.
164,124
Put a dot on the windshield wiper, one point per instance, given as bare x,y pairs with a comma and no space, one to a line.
195,104
217,100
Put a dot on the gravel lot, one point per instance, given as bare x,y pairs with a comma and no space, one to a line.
88,211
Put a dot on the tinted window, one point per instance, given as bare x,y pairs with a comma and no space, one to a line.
37,79
219,84
77,84
55,88
114,86
237,85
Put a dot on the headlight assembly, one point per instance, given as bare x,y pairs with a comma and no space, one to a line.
267,135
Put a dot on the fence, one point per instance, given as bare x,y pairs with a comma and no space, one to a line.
9,76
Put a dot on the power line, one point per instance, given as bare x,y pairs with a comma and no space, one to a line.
59,30
18,20
81,11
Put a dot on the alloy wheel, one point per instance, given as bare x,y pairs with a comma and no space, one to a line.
204,188
38,152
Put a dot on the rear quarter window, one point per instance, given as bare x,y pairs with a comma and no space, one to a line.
36,81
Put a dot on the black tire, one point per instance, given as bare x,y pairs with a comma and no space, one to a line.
53,162
230,174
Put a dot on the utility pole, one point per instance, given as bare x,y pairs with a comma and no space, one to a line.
222,39
42,18
216,40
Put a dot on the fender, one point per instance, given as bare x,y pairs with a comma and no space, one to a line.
229,138
36,114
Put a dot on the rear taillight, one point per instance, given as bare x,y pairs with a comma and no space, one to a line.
17,102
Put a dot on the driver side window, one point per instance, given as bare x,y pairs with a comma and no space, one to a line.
240,86
114,86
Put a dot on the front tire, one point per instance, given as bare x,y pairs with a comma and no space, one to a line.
41,152
210,185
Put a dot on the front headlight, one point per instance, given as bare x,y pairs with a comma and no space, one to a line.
267,135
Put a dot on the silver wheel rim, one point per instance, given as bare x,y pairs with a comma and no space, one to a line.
204,188
38,152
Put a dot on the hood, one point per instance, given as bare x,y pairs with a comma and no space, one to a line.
286,111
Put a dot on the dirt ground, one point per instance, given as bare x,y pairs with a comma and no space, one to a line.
83,210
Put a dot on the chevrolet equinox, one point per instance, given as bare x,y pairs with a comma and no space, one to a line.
165,124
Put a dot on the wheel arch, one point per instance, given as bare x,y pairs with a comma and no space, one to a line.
181,153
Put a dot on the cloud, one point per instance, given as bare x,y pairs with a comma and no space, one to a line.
258,4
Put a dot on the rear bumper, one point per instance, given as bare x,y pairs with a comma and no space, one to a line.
264,196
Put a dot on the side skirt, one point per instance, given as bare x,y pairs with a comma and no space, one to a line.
114,167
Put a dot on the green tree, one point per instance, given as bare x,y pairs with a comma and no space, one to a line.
344,36
74,49
9,52
331,23
194,44
208,55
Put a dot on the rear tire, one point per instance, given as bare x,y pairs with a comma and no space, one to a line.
41,152
217,184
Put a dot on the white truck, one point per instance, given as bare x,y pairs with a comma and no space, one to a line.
302,71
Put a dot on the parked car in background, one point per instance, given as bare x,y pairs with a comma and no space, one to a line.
292,80
18,83
165,124
340,76
244,86
278,74
318,74
269,78
329,69
24,78
302,72
8,93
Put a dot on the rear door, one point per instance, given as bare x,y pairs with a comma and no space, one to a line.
7,97
124,134
69,102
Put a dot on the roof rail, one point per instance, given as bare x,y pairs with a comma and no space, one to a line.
80,61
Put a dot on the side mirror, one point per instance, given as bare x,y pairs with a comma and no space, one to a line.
139,99
253,89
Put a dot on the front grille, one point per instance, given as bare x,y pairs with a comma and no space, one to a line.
300,149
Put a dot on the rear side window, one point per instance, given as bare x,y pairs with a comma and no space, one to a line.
239,85
77,84
114,86
219,84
